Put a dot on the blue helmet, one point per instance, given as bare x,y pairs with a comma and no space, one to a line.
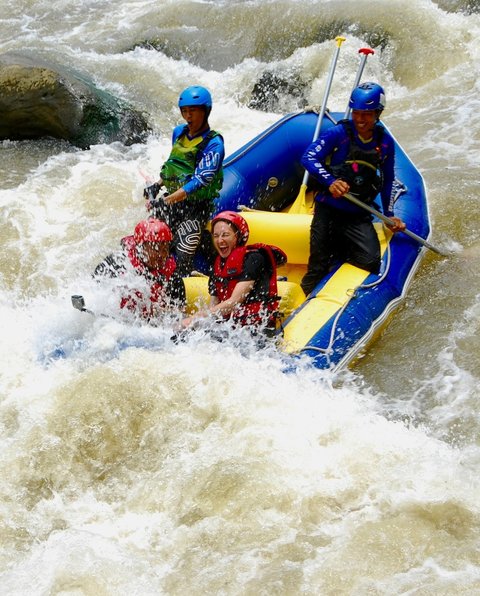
195,96
367,96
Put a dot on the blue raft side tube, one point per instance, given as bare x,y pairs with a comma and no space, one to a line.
276,153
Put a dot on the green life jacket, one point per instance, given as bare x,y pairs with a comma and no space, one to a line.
186,154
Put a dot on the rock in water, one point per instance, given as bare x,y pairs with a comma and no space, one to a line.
41,99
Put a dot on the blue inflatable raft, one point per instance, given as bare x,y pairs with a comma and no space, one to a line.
350,306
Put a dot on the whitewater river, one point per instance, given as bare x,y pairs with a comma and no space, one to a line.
203,468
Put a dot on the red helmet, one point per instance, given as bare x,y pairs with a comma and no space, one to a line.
152,230
234,218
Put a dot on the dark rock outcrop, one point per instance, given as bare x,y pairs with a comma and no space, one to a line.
274,93
41,99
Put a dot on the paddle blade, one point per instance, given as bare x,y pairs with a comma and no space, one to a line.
299,205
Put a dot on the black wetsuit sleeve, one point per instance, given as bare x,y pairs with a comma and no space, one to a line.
112,266
254,267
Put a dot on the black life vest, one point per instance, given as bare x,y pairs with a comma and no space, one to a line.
256,309
362,167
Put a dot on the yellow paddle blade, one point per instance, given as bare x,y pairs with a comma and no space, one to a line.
303,203
299,205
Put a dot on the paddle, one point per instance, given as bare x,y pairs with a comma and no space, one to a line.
365,53
389,221
299,204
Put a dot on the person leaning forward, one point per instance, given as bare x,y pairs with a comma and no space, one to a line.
153,284
243,285
355,156
192,177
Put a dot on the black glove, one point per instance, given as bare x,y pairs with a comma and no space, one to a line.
150,193
157,206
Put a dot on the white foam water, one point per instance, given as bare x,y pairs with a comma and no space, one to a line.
133,464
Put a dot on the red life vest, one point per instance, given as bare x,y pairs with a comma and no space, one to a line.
157,278
226,278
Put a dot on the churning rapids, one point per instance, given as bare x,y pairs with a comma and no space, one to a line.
205,468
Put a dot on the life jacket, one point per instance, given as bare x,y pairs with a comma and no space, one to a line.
362,167
184,157
156,278
256,309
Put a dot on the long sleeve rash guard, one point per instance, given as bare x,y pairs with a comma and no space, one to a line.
335,143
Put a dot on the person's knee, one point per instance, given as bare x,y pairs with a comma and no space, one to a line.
368,262
307,288
373,266
309,282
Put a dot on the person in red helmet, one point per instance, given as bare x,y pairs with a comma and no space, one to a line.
243,285
145,262
191,177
